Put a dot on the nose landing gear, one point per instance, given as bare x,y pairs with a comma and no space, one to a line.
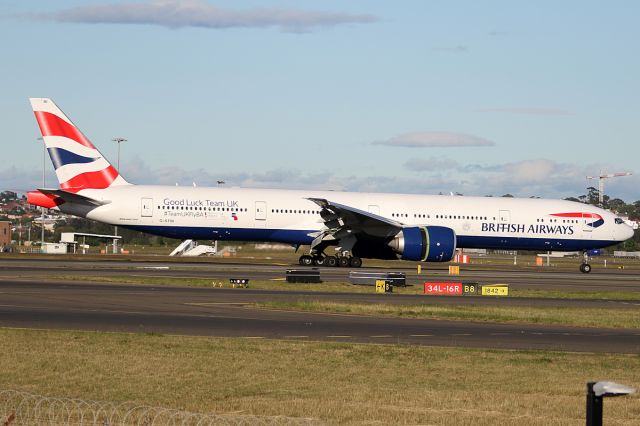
585,267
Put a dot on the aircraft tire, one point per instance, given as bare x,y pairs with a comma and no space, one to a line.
355,262
585,268
318,260
306,260
331,261
343,262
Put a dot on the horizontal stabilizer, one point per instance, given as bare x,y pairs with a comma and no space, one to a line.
71,197
50,198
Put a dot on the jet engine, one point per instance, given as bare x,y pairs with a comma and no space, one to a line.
425,243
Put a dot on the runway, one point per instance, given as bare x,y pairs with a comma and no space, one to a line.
611,279
33,302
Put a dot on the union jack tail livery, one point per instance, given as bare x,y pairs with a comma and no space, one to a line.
78,164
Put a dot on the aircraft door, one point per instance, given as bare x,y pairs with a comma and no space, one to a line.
261,210
505,216
260,214
147,207
374,209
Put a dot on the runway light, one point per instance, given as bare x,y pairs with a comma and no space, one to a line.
596,391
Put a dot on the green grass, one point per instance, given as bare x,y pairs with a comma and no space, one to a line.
577,294
338,382
338,287
579,317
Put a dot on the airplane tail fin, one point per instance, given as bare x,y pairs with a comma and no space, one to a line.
78,164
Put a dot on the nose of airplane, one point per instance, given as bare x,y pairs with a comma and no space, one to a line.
626,232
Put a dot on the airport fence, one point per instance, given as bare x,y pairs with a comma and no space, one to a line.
21,408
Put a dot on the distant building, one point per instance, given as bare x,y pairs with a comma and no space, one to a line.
8,196
49,221
5,233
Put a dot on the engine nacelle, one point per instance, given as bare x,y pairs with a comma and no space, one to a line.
425,243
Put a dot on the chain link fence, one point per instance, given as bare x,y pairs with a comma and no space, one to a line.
22,408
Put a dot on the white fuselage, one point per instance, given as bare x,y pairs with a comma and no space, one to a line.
288,216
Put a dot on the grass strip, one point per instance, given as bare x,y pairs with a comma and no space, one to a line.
342,383
578,317
577,294
338,287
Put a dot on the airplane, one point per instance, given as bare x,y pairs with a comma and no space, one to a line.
340,228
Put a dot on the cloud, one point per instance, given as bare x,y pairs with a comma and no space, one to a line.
531,171
200,13
17,180
539,177
435,140
528,110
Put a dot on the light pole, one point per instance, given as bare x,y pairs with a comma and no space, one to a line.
44,164
118,141
601,178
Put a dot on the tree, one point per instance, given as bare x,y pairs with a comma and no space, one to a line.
593,196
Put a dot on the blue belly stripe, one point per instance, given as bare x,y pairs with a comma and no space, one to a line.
301,237
287,236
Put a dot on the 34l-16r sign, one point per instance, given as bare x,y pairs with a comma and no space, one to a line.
450,289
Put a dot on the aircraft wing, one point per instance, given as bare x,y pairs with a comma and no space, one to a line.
71,197
344,221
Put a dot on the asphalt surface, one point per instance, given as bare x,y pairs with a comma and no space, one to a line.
29,298
529,278
227,312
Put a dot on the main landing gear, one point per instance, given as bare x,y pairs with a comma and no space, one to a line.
320,260
585,267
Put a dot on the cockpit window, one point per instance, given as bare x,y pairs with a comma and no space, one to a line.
619,221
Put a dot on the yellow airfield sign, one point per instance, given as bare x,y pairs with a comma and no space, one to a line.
495,290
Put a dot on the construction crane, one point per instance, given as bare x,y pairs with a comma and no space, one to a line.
601,178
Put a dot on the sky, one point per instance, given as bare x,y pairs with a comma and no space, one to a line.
477,98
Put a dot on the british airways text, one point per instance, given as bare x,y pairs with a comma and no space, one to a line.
523,229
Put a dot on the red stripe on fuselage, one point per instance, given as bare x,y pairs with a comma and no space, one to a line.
91,180
52,125
578,214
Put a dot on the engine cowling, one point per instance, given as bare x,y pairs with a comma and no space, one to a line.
425,243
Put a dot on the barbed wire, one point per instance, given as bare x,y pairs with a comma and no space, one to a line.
22,408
